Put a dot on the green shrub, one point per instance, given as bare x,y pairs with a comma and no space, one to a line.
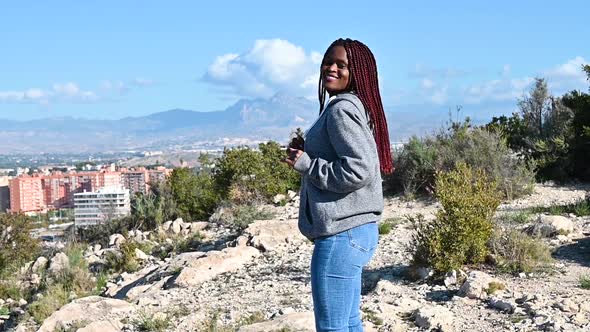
494,286
580,208
515,252
463,225
16,244
239,216
421,158
521,217
4,311
125,260
54,298
388,224
585,282
243,174
158,322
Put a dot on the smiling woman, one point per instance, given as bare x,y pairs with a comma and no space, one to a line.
344,153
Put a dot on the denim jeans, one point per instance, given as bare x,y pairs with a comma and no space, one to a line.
336,268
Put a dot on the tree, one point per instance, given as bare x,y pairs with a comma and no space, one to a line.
535,107
16,244
194,195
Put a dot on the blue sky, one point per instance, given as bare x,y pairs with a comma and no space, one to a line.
112,59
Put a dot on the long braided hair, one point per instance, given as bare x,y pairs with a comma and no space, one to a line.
363,81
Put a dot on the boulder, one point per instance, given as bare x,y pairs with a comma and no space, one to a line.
301,321
58,263
213,263
166,226
434,318
279,198
549,226
89,309
102,326
176,226
141,255
476,285
268,235
40,263
116,240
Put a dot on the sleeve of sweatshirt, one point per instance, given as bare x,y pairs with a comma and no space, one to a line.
351,139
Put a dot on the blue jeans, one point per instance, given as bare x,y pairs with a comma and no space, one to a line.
336,268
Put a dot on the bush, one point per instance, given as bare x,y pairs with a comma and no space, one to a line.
463,226
239,216
125,260
420,159
515,252
16,244
243,174
54,298
194,195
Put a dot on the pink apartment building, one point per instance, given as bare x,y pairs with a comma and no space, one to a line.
41,193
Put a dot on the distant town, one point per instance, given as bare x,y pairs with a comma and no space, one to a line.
85,189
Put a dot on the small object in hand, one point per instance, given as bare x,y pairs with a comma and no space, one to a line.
297,142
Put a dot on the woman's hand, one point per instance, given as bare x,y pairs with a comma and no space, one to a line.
294,154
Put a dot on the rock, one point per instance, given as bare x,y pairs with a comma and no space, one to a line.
22,302
241,241
567,305
476,285
176,226
116,240
35,279
141,255
548,226
89,309
450,278
93,259
434,318
166,226
97,248
424,273
301,321
102,326
503,305
212,264
291,194
40,263
58,263
198,226
279,198
267,235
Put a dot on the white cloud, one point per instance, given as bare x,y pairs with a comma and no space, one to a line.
427,83
267,67
59,92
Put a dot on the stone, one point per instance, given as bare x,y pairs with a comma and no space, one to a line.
116,240
40,263
503,305
424,273
291,194
198,226
269,235
450,278
301,322
22,302
89,309
279,198
176,226
476,285
434,318
166,226
102,326
58,263
35,279
567,305
212,264
241,241
141,255
549,226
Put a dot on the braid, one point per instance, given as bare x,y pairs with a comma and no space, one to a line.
364,81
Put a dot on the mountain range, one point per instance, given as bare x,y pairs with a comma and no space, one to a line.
246,122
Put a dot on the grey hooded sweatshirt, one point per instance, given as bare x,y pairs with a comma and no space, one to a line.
341,178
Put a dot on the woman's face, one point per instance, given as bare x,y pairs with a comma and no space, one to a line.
335,72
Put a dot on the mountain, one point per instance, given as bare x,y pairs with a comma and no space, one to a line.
245,122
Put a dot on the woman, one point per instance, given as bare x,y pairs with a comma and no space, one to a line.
346,150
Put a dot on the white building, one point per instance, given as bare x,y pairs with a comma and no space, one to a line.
91,208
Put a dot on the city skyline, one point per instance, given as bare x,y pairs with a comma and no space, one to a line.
114,60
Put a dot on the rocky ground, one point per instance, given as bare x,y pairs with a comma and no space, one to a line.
263,275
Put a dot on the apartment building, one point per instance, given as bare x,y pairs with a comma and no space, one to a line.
107,203
26,194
